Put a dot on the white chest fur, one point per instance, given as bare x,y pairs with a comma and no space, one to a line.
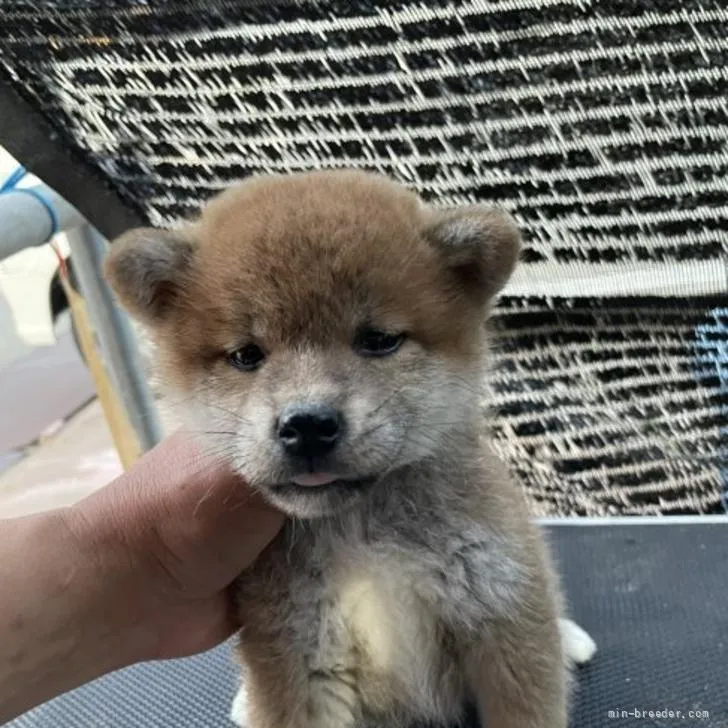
369,610
395,636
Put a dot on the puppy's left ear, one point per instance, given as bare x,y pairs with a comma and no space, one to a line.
479,244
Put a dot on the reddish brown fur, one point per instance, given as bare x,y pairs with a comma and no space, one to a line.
257,262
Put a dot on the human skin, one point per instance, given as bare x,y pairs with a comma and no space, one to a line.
139,570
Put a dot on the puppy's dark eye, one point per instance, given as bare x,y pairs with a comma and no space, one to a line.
371,342
247,357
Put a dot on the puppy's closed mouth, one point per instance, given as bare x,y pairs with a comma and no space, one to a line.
312,490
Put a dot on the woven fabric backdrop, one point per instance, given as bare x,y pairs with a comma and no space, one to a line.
601,124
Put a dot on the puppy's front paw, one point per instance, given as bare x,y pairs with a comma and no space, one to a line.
239,708
578,646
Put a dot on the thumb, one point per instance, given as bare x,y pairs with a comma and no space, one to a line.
189,515
223,526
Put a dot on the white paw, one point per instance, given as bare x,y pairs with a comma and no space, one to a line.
239,708
578,646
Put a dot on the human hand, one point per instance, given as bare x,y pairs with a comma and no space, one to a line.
139,570
168,538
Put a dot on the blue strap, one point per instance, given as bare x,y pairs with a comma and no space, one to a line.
17,174
10,186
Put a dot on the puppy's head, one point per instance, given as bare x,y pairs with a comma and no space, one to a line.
325,329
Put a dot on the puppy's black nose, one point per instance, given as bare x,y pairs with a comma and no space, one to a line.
309,430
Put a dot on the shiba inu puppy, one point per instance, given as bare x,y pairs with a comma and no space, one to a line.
328,332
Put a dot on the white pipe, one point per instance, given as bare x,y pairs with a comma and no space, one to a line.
25,221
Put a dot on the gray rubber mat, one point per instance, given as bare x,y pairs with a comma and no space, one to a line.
655,597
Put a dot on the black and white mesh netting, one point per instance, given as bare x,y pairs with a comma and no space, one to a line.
601,124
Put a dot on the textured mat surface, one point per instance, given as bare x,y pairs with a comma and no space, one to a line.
613,406
601,123
654,598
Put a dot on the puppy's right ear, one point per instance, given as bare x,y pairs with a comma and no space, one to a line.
146,267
